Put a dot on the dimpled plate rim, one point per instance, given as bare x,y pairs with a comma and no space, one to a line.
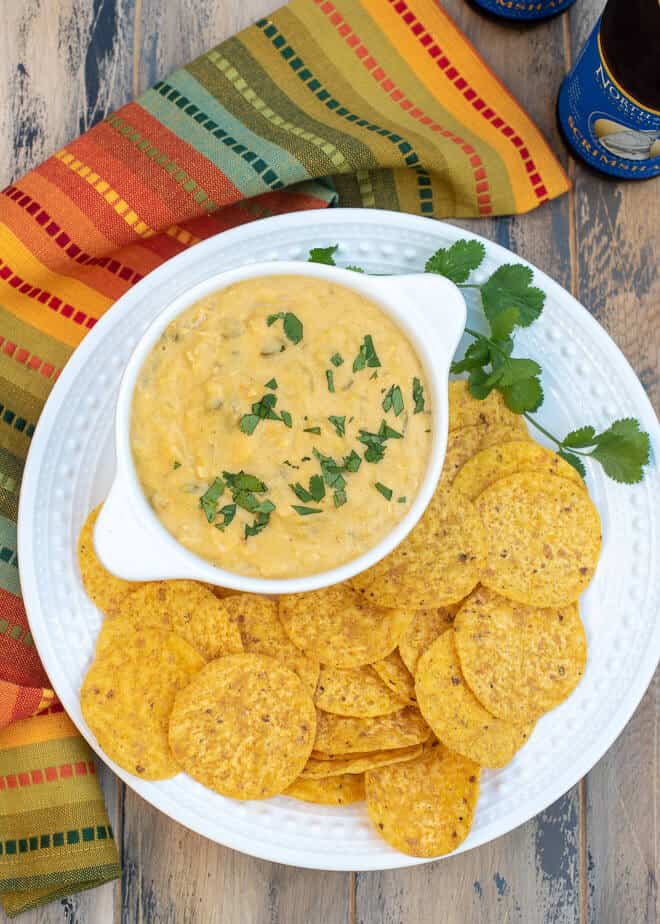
70,466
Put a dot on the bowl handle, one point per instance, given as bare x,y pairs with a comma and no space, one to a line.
126,546
439,308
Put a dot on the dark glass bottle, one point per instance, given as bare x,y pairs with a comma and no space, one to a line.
524,10
609,104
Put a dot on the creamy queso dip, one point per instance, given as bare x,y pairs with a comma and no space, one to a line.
281,426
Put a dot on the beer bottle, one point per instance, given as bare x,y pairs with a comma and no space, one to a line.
609,103
524,10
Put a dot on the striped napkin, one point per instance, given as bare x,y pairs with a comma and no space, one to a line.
373,103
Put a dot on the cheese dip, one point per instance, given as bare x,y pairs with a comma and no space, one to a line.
281,426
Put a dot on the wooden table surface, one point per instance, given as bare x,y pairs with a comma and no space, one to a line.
590,857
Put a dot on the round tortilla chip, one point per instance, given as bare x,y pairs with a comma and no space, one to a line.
337,734
438,563
396,676
466,411
354,691
333,790
104,589
127,696
320,769
424,807
544,539
519,661
466,442
455,714
184,607
244,726
339,627
496,462
423,630
263,633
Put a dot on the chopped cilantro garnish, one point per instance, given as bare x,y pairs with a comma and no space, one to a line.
243,481
248,423
290,464
272,384
418,395
228,513
340,498
323,255
388,432
209,500
257,525
352,462
375,442
176,465
393,400
367,355
263,410
293,327
401,500
329,374
337,359
306,511
316,491
385,491
316,430
339,423
301,493
286,419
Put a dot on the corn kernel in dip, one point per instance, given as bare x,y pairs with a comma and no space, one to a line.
281,427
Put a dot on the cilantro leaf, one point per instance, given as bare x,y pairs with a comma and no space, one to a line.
242,481
502,324
323,255
337,359
476,355
418,396
340,498
306,511
384,490
339,423
393,400
209,500
623,450
458,261
580,438
367,355
352,462
509,287
573,460
330,378
256,527
300,492
228,513
355,269
293,327
523,396
517,370
272,384
176,465
287,420
270,320
389,433
316,430
248,423
478,384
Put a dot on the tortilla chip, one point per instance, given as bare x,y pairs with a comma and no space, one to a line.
424,807
262,633
520,662
456,715
340,628
343,735
544,539
438,563
490,465
466,411
354,691
465,442
184,607
423,630
127,696
104,589
396,676
334,790
320,769
244,726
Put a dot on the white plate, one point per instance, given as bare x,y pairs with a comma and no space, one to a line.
586,380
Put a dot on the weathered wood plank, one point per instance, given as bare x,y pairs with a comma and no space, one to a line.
63,65
616,278
173,34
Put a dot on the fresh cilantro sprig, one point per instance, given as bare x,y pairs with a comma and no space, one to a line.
243,487
510,301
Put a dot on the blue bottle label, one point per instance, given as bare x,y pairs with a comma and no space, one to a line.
603,124
525,9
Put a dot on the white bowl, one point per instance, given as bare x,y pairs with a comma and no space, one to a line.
131,541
